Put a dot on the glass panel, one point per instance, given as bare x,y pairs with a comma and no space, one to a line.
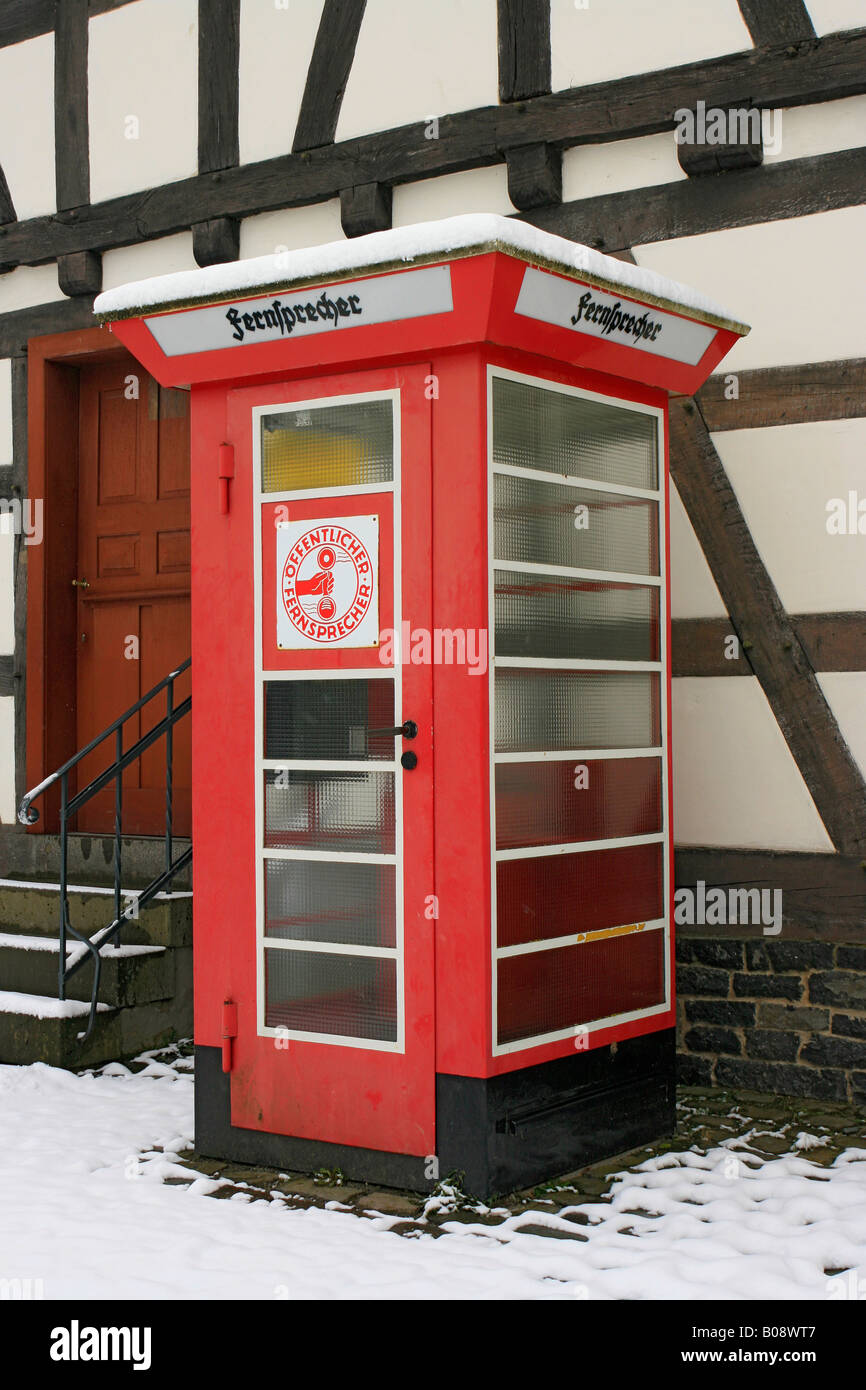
556,803
352,812
328,719
348,904
546,991
590,891
328,446
556,524
319,992
543,615
538,710
536,427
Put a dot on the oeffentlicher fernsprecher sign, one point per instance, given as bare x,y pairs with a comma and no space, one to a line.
583,309
328,583
274,318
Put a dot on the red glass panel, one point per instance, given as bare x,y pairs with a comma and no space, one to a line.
557,895
559,802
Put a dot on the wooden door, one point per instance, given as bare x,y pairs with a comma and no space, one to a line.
132,585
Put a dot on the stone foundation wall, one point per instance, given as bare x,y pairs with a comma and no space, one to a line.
773,1015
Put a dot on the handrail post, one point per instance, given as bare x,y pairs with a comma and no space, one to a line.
64,905
169,769
118,816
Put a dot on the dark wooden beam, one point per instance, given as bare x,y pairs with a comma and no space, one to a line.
60,316
523,32
741,148
71,136
80,273
831,641
534,175
216,241
218,58
773,22
823,895
20,489
765,631
328,73
25,19
785,395
7,207
833,66
365,209
690,207
7,675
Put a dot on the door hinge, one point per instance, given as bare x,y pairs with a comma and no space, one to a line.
226,473
229,1031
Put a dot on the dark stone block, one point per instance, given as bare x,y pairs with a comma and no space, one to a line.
843,989
694,1071
800,955
728,955
756,956
826,1051
851,957
801,1018
712,1040
781,1079
771,1045
699,979
858,1087
733,1013
849,1026
769,986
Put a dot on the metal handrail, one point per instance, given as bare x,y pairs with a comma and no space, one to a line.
28,815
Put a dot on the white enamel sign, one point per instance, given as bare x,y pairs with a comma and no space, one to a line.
271,318
586,310
328,583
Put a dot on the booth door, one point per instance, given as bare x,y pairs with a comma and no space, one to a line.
338,1043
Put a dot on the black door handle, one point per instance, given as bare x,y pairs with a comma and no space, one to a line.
407,730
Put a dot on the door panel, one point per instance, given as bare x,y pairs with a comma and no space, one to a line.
133,577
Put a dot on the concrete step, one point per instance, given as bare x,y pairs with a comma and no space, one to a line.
90,858
32,907
40,1028
128,974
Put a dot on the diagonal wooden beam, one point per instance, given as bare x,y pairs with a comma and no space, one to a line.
330,65
7,207
776,21
831,641
523,34
767,635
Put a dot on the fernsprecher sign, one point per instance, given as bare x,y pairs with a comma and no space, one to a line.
328,583
583,309
273,318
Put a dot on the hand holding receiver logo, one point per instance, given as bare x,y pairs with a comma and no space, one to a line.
320,583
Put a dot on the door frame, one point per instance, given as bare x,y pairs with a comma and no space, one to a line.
53,376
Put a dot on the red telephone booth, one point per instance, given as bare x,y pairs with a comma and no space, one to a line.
431,713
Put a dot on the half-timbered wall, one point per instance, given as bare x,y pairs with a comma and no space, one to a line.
156,134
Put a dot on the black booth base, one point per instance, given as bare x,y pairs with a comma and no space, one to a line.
501,1134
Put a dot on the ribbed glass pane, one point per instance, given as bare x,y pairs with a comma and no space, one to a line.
558,524
328,446
539,898
551,803
312,900
350,812
539,710
320,992
548,991
319,719
537,427
547,616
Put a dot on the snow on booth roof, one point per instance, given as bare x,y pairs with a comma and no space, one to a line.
419,243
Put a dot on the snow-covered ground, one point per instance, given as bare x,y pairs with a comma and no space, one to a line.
84,1209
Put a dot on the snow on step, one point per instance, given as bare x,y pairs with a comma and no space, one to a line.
43,1006
21,942
90,888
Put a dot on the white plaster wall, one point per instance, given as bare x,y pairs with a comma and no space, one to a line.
798,282
160,257
275,50
416,60
591,169
596,40
784,476
846,695
7,540
693,590
143,63
801,131
5,411
27,124
7,759
735,782
291,228
472,190
28,285
829,15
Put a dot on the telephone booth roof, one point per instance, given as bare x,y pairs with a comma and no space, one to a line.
401,293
